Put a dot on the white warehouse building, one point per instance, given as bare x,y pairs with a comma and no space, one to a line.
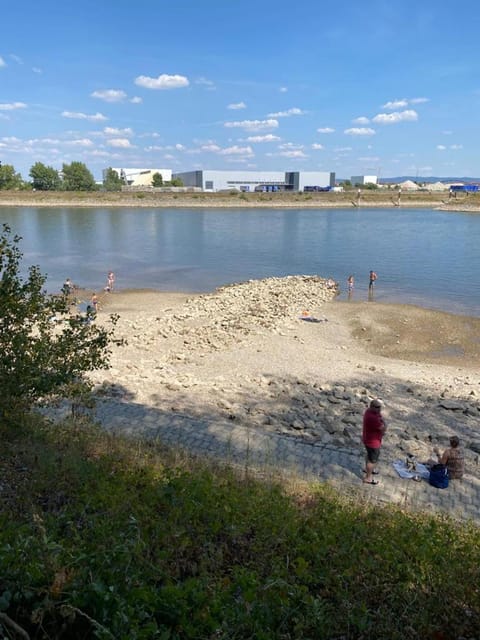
210,180
140,177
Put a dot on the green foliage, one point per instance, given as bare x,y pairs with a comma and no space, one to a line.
9,178
371,186
76,177
157,180
44,348
44,178
103,539
175,182
112,181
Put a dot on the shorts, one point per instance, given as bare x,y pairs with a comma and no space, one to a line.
372,454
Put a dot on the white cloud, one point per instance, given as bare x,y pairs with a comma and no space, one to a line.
237,151
294,111
237,105
342,149
180,147
36,70
317,147
16,58
290,145
361,120
81,142
120,143
2,62
253,125
397,116
210,147
325,130
395,104
455,147
369,159
359,131
163,81
283,89
136,100
298,154
113,131
441,147
110,95
419,100
11,106
205,82
76,115
269,137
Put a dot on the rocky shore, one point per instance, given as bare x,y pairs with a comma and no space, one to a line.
282,356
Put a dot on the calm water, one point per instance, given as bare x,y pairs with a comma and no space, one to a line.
422,257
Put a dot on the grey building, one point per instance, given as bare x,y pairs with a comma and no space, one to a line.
209,180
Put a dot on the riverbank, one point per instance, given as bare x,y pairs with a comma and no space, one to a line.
156,199
280,358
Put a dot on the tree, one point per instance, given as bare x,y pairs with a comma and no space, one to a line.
9,178
112,181
44,178
176,182
44,349
157,180
76,177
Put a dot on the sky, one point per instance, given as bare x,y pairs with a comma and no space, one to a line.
382,88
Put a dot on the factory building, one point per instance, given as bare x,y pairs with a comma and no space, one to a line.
248,181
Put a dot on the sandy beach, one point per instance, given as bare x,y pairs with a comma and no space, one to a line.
282,356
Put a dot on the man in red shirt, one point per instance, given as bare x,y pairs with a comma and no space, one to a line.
374,428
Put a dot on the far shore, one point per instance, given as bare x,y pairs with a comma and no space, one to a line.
235,200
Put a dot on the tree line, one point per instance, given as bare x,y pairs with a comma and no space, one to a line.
72,177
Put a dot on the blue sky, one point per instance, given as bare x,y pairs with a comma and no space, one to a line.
380,87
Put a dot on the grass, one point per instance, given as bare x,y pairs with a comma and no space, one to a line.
101,537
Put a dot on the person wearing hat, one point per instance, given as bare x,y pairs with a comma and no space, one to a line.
374,428
453,459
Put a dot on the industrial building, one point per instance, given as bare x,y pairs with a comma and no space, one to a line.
140,177
245,181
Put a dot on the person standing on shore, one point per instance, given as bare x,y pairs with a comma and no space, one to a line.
350,285
374,428
110,280
371,282
94,302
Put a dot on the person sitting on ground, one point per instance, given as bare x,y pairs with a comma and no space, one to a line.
453,459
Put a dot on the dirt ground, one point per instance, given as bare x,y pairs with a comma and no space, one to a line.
407,332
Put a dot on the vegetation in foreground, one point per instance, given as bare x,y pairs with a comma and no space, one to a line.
102,539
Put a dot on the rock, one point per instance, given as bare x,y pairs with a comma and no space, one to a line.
451,405
474,446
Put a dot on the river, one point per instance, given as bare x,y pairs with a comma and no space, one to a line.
424,257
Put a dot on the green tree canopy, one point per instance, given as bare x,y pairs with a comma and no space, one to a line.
176,182
112,181
44,178
9,178
77,177
44,349
157,180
